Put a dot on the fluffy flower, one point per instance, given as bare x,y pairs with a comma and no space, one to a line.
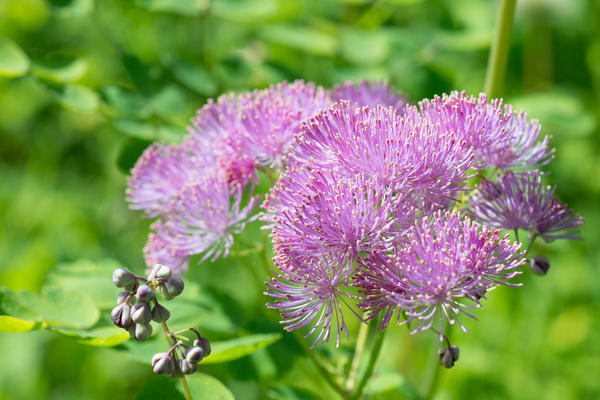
520,201
159,251
367,93
442,259
406,152
312,291
204,219
499,136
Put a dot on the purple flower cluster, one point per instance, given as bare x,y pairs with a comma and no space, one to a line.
202,190
364,214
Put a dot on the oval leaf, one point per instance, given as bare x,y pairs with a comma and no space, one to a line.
237,348
204,386
12,324
63,71
13,60
107,336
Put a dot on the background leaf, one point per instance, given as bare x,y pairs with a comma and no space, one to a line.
13,60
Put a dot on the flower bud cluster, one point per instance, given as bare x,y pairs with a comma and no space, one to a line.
137,305
181,359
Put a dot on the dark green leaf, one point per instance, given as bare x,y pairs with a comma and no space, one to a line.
283,392
72,95
160,388
193,76
188,8
13,60
126,102
72,8
147,131
302,38
131,150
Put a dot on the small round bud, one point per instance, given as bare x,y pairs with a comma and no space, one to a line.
187,368
162,271
448,356
172,288
194,355
204,344
162,363
140,331
121,315
122,297
176,372
160,313
140,313
539,265
144,293
123,277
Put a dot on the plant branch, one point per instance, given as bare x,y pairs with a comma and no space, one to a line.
361,340
171,342
371,366
496,70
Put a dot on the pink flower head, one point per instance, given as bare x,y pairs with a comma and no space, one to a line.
367,93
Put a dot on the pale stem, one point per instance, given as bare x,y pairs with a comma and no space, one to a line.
370,366
171,342
361,340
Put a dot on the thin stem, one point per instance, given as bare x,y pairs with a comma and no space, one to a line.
171,341
371,366
329,378
361,340
435,366
517,234
496,70
530,244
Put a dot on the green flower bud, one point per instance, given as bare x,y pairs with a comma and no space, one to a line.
123,277
160,313
539,265
194,355
172,288
203,344
140,331
145,293
162,363
140,313
187,368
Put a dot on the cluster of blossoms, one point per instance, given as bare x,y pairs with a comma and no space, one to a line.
137,306
373,209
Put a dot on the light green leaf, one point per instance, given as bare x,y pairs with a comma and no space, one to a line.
193,76
126,102
169,101
285,392
148,131
62,307
11,305
13,60
244,10
204,386
12,324
307,39
106,336
391,380
61,72
190,8
236,348
73,96
160,388
364,46
91,278
464,41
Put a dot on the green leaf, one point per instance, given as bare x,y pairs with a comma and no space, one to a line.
126,102
73,96
284,392
236,348
364,46
470,40
391,381
190,8
11,305
106,336
62,71
169,102
72,8
204,386
244,10
12,324
149,131
194,76
91,278
13,60
160,388
62,307
306,39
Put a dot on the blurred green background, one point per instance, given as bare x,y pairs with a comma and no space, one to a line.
86,85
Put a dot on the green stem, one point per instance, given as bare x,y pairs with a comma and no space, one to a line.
496,70
435,366
530,245
371,366
361,340
329,378
517,234
186,388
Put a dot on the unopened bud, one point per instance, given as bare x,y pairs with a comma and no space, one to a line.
123,277
122,297
140,331
194,355
176,372
539,265
162,363
448,356
160,313
121,315
162,271
172,288
204,344
140,313
187,368
144,293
